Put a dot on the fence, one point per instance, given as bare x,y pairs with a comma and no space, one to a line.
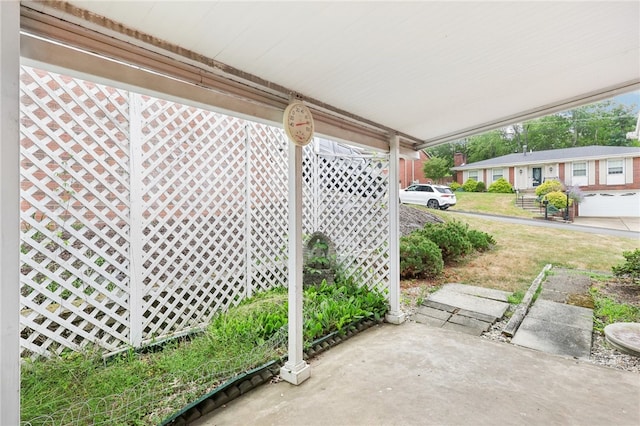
141,218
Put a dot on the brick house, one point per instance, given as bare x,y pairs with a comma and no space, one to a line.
609,176
411,170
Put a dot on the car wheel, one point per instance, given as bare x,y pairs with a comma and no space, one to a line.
433,204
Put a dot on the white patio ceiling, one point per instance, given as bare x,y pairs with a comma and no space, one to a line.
432,71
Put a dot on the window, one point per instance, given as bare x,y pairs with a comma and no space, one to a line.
497,174
473,174
579,169
615,167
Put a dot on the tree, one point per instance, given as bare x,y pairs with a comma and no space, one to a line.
436,168
488,145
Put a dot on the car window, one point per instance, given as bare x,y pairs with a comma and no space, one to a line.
411,188
444,190
426,189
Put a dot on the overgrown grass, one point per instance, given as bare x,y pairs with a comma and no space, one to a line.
492,203
144,388
607,311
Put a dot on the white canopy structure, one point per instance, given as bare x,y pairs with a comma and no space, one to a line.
391,76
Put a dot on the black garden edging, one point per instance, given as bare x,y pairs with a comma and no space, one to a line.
243,383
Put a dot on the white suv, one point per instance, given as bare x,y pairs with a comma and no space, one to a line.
433,196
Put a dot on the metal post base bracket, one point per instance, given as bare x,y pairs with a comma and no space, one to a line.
295,374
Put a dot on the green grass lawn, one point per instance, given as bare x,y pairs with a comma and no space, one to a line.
486,202
522,250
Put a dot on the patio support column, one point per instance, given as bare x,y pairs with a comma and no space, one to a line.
395,315
9,213
295,370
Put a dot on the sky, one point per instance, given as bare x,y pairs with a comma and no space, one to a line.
631,98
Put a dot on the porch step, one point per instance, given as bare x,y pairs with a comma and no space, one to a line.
529,204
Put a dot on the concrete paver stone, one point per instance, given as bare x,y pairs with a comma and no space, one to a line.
487,293
469,302
469,322
559,313
434,313
430,321
474,331
557,328
552,338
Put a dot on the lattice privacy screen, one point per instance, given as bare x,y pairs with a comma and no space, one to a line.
142,218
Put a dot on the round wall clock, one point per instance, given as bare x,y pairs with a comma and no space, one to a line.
298,123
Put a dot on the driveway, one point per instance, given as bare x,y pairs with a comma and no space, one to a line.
415,375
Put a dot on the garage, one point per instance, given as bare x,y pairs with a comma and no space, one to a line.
610,204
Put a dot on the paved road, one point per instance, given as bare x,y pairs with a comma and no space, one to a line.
553,224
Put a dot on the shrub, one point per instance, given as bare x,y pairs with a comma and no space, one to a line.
481,187
549,186
480,241
630,268
470,185
451,237
454,186
419,257
501,186
558,199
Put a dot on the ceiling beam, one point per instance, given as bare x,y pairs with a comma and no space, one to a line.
122,46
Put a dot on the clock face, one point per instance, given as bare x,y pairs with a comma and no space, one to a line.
298,123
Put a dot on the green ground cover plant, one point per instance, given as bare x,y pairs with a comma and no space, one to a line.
608,311
144,388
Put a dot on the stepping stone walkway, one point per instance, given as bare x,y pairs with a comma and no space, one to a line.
464,308
554,326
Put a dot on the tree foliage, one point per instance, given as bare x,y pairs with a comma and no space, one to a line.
436,168
602,123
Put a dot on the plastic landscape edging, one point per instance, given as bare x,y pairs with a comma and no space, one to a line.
316,347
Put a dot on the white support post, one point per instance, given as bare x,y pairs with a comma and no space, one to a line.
295,370
136,235
395,315
9,213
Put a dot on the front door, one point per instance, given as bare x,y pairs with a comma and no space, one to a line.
537,176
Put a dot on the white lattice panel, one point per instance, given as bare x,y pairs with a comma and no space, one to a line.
353,211
210,227
193,175
74,202
268,204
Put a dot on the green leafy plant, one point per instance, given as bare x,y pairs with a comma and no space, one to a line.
454,186
470,185
451,237
480,187
607,311
501,186
419,257
549,186
558,200
480,241
516,297
630,269
55,390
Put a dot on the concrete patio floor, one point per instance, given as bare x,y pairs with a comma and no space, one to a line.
413,374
